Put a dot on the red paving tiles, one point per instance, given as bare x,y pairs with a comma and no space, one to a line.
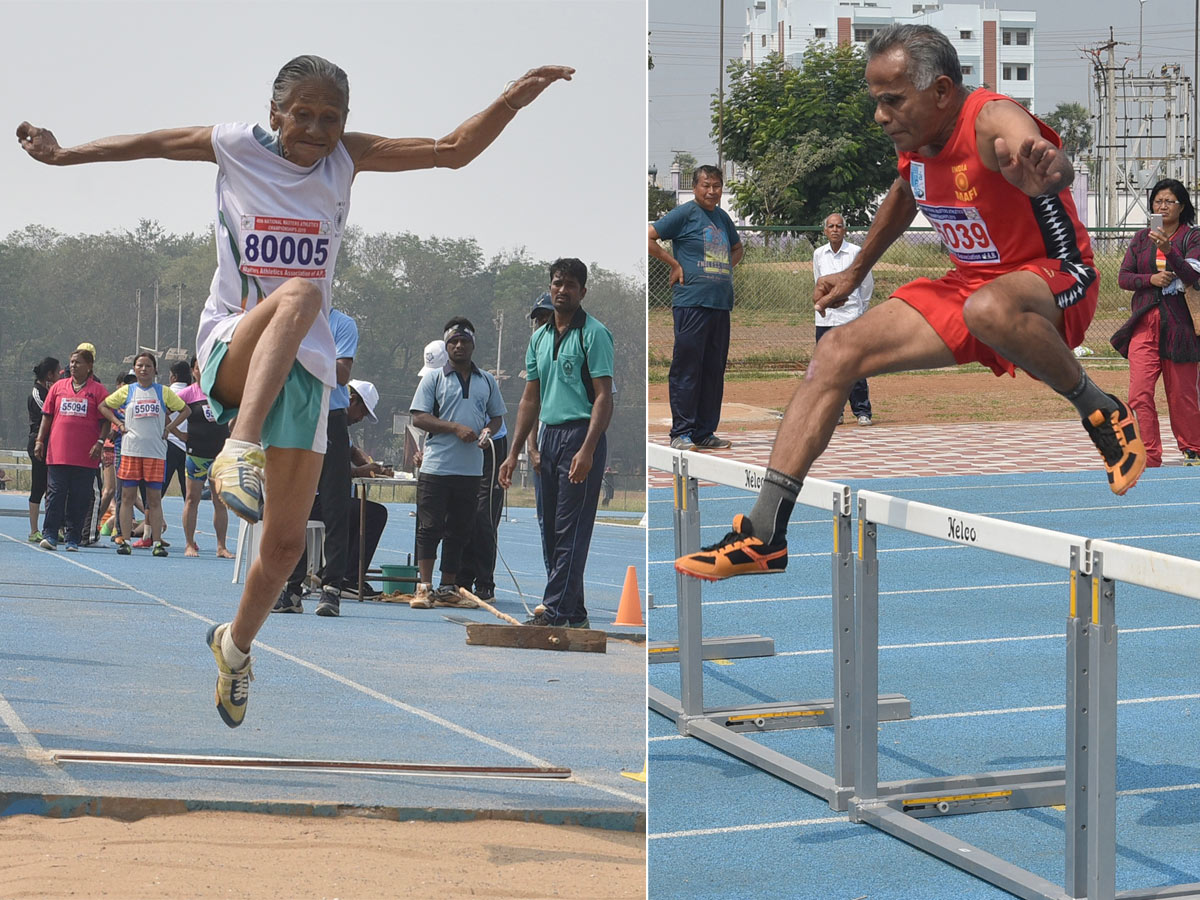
984,448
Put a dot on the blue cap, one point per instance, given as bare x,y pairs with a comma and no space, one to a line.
543,303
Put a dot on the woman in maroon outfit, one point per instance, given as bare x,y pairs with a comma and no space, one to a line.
1160,337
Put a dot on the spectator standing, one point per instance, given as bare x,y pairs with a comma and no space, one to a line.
70,439
706,247
45,374
829,259
176,465
1159,339
205,438
457,406
568,386
148,407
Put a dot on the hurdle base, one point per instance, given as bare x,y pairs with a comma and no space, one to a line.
742,646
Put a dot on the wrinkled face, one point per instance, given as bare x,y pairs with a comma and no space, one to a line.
144,369
566,293
1168,205
460,348
80,368
310,121
708,191
908,116
835,230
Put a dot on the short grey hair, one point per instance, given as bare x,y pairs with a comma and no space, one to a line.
930,53
306,68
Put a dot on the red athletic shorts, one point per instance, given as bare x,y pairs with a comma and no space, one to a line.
941,302
142,468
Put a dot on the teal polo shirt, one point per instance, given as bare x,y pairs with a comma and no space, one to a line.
556,361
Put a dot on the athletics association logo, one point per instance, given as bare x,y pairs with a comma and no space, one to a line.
916,179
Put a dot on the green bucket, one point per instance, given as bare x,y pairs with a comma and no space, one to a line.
394,574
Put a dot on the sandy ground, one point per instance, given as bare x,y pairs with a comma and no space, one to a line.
242,855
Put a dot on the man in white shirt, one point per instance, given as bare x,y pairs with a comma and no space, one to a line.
836,256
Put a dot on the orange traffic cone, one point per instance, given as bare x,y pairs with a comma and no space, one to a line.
630,610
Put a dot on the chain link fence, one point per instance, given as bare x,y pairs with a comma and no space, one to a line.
773,319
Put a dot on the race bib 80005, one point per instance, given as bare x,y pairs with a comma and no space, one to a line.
964,233
279,247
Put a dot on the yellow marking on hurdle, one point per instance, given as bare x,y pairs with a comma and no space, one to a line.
1074,576
664,649
989,795
1095,600
786,714
861,525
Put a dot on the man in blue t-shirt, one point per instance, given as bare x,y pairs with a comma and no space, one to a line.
706,247
459,406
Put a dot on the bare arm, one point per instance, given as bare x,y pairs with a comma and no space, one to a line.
372,153
432,424
187,144
344,365
659,252
895,214
602,409
1010,143
736,253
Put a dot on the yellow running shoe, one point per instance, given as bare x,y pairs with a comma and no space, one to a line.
738,553
1116,436
236,476
233,685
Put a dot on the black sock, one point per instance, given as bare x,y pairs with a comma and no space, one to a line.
773,508
1087,398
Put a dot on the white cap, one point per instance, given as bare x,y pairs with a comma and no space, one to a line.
370,396
435,358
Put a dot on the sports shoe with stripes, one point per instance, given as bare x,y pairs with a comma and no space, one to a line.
1116,436
233,685
236,476
738,553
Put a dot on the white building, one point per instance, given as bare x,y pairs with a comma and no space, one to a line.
995,46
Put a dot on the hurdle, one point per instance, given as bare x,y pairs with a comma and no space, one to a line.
1086,785
724,727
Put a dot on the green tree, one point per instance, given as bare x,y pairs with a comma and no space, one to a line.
659,203
1073,123
779,118
687,165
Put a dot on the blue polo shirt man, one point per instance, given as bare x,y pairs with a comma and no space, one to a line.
706,247
568,386
454,404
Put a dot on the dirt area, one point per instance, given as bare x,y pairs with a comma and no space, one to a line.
242,855
942,396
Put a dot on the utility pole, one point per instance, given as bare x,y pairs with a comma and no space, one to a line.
499,336
721,97
156,316
137,339
1110,169
179,325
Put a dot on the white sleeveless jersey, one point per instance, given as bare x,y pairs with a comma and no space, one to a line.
275,220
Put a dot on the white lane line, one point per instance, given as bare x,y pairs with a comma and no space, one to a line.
1134,792
1170,698
993,640
370,692
733,829
34,751
939,590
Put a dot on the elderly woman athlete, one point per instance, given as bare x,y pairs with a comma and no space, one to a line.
282,200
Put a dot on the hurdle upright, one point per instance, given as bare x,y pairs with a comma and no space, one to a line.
1086,785
724,727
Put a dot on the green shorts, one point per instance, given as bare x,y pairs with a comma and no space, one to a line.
296,419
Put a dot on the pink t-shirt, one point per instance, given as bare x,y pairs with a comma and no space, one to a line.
193,393
75,422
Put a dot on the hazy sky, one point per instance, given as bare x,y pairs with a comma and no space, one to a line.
684,41
566,178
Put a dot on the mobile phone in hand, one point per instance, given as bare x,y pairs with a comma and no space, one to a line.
1156,221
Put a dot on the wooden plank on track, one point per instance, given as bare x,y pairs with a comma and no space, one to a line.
537,637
